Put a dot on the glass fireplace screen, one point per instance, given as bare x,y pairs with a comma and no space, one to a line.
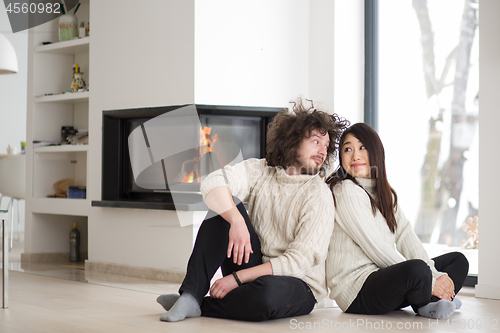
173,152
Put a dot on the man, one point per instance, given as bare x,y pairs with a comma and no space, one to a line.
273,258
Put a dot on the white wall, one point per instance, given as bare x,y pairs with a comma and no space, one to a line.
489,178
349,63
283,49
13,89
252,53
321,54
140,56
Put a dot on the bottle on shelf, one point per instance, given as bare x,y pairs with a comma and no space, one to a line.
74,244
81,31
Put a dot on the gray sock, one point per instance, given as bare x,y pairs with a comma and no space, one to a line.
186,307
168,300
457,302
437,310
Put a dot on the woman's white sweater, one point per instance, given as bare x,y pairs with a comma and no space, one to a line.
292,215
362,243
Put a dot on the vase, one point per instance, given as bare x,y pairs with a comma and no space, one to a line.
68,27
78,82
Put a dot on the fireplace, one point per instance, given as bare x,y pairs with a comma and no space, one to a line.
156,158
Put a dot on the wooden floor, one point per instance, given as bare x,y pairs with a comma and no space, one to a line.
40,303
64,298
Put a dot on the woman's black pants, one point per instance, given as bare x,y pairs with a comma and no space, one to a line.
407,283
267,297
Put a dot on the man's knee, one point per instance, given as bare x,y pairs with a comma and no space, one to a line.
280,297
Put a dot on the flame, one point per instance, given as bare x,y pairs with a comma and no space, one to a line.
205,147
190,177
206,140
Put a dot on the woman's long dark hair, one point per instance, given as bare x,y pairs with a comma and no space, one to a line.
387,196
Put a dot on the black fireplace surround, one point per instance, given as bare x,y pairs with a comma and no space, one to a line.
245,126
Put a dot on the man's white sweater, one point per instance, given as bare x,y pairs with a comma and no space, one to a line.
362,243
292,216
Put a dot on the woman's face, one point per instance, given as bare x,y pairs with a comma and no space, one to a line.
355,159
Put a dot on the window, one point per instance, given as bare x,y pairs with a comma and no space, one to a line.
427,91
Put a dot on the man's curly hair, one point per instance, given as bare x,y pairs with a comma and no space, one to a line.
287,130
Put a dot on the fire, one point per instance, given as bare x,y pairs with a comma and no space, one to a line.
190,177
206,142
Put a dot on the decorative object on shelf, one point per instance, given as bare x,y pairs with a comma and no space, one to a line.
80,137
66,133
81,30
76,8
23,147
72,136
11,150
77,192
61,187
74,244
68,26
78,84
472,229
8,59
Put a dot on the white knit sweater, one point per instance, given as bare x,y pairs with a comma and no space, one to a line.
362,243
292,215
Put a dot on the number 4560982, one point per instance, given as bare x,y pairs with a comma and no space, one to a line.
32,8
473,323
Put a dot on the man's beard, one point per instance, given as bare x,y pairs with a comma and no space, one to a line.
306,169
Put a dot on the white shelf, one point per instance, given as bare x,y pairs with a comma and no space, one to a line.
60,206
75,46
61,149
73,98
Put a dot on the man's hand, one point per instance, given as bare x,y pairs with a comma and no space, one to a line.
444,288
239,242
221,287
221,202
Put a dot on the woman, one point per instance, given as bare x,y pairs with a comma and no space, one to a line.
376,263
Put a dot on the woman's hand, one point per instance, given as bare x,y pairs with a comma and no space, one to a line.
221,287
444,288
239,242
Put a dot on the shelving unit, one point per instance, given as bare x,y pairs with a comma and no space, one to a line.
67,47
61,149
76,207
77,97
50,107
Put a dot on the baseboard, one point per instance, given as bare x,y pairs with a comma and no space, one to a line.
470,281
487,291
133,271
47,258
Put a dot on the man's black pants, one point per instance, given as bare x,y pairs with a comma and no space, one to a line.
267,297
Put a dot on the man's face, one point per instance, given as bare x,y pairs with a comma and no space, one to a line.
312,153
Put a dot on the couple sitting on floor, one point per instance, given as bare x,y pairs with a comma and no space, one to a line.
298,240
